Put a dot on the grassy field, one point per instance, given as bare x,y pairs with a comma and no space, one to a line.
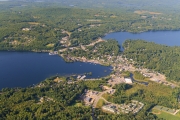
140,77
149,12
165,115
50,45
78,105
153,88
100,103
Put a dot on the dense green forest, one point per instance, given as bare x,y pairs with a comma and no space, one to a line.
151,95
161,58
44,101
47,100
162,5
73,26
58,100
40,28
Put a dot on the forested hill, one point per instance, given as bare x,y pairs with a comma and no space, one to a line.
44,101
114,4
36,29
50,100
161,58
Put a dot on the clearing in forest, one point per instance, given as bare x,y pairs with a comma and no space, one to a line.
165,115
143,11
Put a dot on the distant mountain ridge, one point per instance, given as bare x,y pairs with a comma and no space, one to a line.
172,5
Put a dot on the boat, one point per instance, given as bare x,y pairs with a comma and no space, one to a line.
83,77
78,77
53,53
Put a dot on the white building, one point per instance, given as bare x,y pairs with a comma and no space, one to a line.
128,80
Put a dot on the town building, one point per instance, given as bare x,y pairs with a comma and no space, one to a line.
88,99
128,80
109,108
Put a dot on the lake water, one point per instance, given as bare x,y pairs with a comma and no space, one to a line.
22,69
169,38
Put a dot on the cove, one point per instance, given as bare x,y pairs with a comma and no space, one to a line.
22,69
169,38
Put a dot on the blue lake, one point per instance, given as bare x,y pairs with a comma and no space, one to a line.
169,38
22,69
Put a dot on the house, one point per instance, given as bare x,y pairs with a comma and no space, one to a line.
105,88
26,29
109,109
128,80
65,38
87,99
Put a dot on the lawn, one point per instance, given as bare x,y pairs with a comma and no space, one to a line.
100,103
50,45
165,115
78,105
153,88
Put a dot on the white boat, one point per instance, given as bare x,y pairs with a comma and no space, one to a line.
83,77
53,53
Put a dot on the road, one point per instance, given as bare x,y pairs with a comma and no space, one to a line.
100,97
92,114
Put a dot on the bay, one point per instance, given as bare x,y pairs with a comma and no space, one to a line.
22,69
169,38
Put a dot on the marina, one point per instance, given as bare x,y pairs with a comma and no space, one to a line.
53,53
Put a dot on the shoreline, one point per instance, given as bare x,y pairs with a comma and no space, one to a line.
160,78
